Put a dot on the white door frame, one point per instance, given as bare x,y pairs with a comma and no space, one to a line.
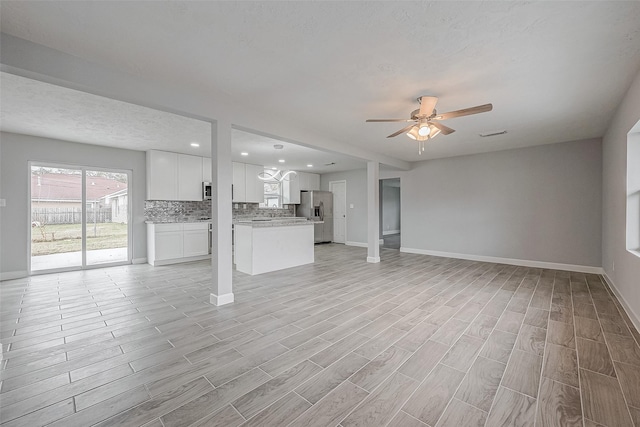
345,207
84,169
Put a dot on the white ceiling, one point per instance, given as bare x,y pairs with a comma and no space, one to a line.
36,108
554,71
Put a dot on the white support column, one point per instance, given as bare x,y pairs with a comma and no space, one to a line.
373,213
221,214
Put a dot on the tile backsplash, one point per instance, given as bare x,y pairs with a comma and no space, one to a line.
163,210
254,210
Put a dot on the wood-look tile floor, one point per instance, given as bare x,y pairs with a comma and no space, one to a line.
412,341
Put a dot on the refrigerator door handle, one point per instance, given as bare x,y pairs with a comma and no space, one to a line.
321,211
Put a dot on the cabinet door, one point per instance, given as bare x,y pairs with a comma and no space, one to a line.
314,182
206,169
162,175
189,177
169,245
254,185
239,179
291,190
196,242
303,181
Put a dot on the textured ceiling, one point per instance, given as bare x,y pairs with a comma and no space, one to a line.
554,71
35,108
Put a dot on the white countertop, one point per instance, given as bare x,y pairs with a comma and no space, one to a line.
275,222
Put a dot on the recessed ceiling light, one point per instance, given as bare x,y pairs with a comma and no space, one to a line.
275,169
244,154
195,144
278,146
281,160
309,166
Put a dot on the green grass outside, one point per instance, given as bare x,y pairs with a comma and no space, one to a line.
61,238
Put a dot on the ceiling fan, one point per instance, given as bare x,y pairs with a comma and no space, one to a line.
425,121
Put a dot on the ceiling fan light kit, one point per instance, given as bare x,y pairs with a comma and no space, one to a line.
425,120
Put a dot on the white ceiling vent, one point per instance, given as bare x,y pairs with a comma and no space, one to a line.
493,133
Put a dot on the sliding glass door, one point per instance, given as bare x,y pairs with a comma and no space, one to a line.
79,217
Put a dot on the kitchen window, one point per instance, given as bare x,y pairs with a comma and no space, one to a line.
272,194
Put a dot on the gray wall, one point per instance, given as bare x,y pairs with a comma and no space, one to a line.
538,203
15,153
390,204
621,266
356,196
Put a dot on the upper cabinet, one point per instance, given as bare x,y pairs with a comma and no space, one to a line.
254,190
189,177
162,175
206,169
239,182
291,189
309,181
247,187
173,176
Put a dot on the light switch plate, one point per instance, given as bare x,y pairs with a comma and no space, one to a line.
3,203
351,206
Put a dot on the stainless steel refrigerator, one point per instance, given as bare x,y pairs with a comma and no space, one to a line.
318,206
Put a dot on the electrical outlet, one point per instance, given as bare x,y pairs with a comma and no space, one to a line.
235,206
3,203
351,206
244,206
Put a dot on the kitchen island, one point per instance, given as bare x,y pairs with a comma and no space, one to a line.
273,244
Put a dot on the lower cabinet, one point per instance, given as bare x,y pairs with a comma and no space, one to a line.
177,242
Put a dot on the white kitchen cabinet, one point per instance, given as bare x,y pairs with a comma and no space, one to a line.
254,186
177,242
239,182
291,189
309,181
173,176
196,239
162,175
206,169
189,177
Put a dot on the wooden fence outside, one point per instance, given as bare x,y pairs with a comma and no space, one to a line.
69,215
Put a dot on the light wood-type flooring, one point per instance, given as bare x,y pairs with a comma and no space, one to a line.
411,342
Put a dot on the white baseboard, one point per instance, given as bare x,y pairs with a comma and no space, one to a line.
362,245
180,260
386,233
10,275
221,299
373,259
139,261
635,319
358,244
510,261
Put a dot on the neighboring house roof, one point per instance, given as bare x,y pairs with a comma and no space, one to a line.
63,187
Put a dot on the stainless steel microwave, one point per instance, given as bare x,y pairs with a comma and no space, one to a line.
206,191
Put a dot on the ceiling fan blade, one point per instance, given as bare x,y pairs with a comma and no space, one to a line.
427,104
465,112
389,120
446,130
403,130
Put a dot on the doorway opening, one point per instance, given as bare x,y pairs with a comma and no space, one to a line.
80,217
390,213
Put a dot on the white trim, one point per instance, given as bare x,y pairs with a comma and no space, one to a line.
159,262
635,319
386,233
139,261
373,259
10,275
510,261
358,244
219,300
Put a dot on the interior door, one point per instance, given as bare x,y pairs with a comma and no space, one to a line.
339,190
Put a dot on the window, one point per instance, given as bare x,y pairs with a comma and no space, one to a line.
633,192
272,194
